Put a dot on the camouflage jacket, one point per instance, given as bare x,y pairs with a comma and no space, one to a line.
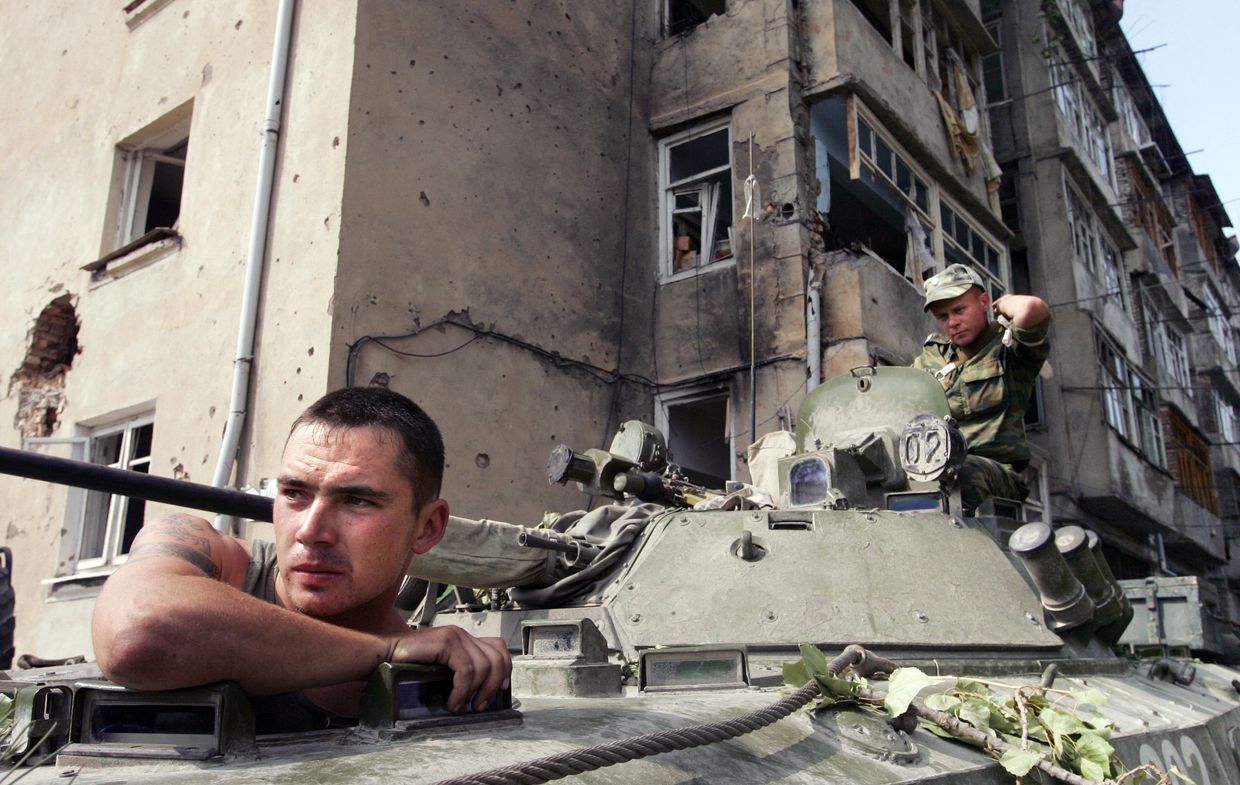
989,392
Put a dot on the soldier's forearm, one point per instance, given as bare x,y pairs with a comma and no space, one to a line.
168,632
1022,310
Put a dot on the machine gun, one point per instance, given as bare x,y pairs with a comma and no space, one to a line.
635,465
576,553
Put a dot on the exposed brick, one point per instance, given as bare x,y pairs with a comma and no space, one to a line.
39,381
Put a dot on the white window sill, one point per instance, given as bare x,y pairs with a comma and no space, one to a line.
148,249
693,272
78,586
142,11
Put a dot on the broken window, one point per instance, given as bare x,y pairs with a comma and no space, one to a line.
1084,120
992,68
1216,319
1009,196
1228,423
1092,248
153,180
696,171
875,195
1130,402
1034,506
111,521
1166,343
1190,454
1126,105
698,435
150,174
683,15
1079,22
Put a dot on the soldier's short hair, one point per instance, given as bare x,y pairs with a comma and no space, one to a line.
417,437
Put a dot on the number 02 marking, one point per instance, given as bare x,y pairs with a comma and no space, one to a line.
1188,759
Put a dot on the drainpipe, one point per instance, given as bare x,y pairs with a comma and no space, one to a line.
1160,549
239,402
813,337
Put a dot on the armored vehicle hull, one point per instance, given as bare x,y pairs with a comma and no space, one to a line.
670,617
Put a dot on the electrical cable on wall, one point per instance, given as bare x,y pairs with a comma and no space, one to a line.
605,375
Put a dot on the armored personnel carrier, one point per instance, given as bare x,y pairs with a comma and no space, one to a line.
652,635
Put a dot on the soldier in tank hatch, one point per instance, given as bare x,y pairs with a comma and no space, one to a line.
308,618
988,369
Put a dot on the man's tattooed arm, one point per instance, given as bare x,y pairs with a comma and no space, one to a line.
180,536
196,557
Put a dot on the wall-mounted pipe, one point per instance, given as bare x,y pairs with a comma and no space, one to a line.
813,337
238,404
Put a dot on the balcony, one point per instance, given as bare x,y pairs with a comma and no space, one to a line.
846,51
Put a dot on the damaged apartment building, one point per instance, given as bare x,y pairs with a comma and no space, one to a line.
540,219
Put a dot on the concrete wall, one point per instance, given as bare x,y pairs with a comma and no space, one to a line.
163,335
493,191
870,314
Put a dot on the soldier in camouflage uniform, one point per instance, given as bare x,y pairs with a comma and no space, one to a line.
988,370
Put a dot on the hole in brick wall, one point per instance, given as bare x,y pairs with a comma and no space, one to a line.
40,381
53,340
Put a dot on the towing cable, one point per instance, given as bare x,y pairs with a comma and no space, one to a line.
585,759
864,663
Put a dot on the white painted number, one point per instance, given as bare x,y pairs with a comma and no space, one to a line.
1187,759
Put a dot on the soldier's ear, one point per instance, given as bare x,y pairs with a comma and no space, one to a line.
431,524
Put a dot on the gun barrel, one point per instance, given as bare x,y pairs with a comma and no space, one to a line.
578,553
137,485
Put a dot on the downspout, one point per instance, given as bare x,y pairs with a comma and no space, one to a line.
239,401
813,337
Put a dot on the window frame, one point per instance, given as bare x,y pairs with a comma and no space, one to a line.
161,143
1092,246
702,393
116,512
1218,325
1167,345
140,164
667,19
667,203
1079,23
862,122
1193,465
993,65
1130,402
1152,215
1037,477
1085,121
1228,419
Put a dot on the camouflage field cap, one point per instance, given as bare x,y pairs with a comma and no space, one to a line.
952,282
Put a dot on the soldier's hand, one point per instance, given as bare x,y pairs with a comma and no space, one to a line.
480,666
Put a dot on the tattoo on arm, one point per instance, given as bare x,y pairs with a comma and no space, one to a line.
200,558
183,529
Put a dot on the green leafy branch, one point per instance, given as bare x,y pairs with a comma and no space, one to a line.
1058,732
